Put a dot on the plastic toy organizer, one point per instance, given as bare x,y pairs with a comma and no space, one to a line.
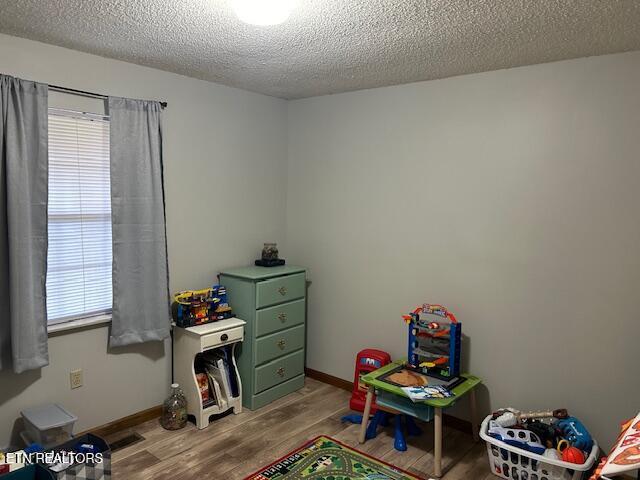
47,425
515,463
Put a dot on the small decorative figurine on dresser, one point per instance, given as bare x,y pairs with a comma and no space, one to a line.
270,256
197,307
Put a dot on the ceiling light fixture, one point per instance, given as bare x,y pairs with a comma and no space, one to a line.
263,12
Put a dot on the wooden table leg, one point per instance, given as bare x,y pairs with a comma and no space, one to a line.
437,448
474,415
365,415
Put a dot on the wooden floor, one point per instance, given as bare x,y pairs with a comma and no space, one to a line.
235,446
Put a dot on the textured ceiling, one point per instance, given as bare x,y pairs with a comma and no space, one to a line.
330,46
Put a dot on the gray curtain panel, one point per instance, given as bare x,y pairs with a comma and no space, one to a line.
140,273
23,224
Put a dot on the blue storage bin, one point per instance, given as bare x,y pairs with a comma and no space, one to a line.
29,472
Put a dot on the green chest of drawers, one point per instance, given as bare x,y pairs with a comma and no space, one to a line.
272,302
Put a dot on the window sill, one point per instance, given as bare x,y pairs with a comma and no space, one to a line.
81,323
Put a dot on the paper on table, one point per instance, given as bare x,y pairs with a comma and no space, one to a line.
427,392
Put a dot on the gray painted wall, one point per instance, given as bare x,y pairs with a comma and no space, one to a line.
511,197
225,174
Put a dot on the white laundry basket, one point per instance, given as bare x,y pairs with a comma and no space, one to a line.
515,463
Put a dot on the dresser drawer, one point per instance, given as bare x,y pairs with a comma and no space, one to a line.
222,338
279,344
278,371
280,290
276,318
271,394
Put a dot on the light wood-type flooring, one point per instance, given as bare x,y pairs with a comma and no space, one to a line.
235,446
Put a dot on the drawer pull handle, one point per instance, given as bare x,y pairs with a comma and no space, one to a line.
224,337
280,371
282,291
282,343
282,317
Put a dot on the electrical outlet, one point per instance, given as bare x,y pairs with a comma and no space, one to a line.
76,378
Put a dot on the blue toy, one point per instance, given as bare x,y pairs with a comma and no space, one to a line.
34,448
516,437
575,433
352,418
434,346
381,418
86,448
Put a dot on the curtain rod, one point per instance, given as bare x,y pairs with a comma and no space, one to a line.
86,94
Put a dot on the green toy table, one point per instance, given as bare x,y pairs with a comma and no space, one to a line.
373,382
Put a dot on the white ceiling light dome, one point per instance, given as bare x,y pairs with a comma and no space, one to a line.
263,12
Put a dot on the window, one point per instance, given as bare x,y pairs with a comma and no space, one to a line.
79,255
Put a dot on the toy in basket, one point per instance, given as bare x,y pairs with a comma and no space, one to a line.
196,307
538,445
434,346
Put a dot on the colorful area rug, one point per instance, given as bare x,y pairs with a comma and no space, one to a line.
324,458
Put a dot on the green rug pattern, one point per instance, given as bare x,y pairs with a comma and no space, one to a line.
326,459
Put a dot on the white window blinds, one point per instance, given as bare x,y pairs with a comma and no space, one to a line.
79,255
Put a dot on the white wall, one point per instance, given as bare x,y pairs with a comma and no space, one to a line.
511,197
225,176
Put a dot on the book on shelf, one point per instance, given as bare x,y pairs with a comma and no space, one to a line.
217,389
221,358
